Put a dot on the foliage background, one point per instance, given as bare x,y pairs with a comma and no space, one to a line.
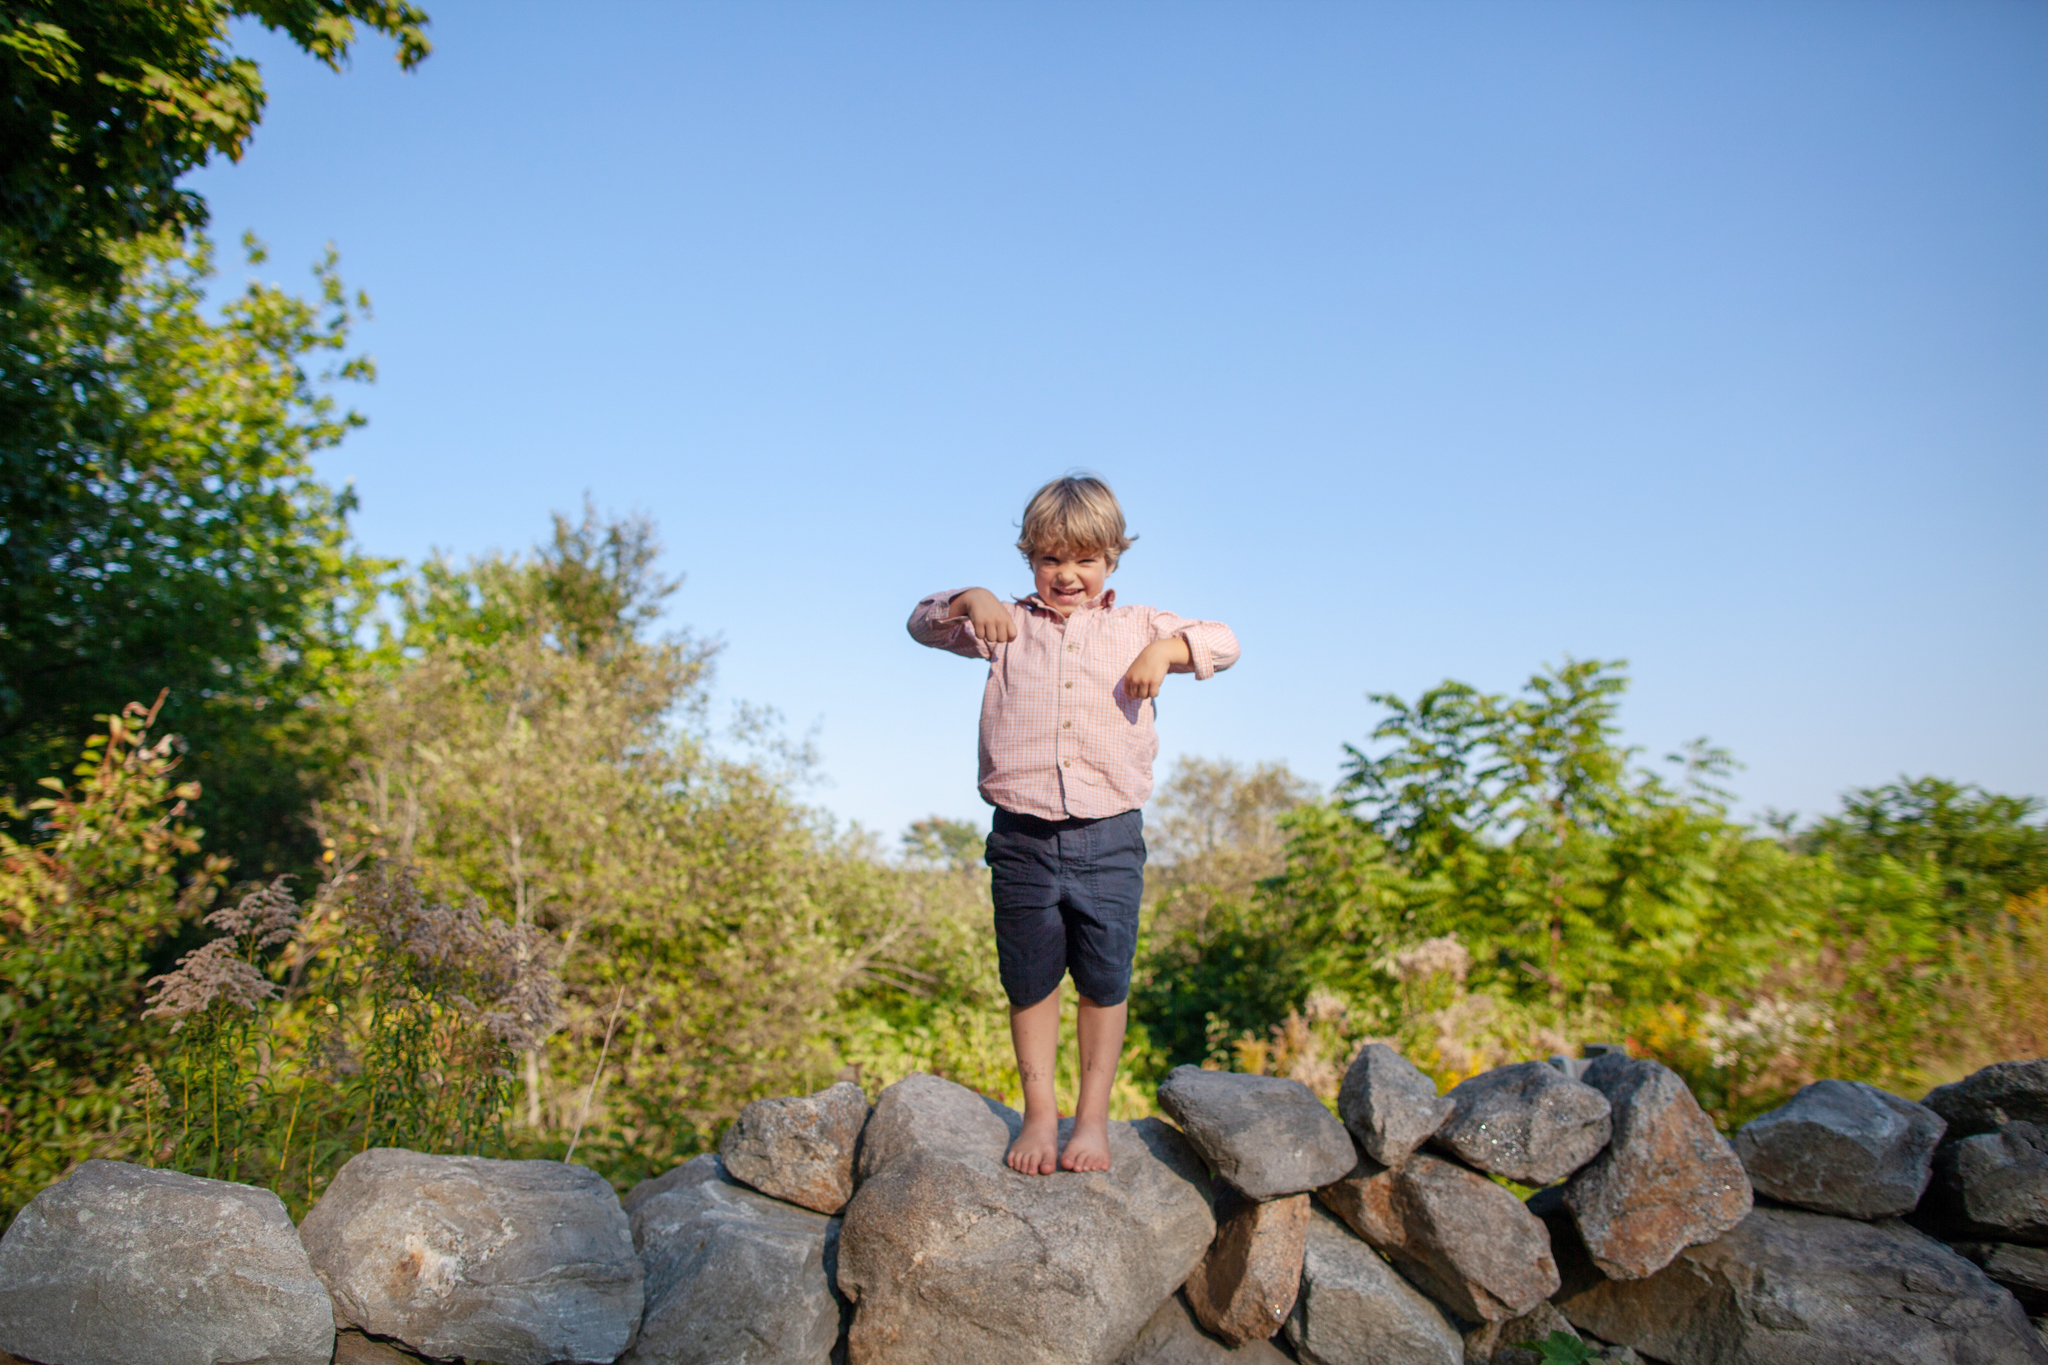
533,901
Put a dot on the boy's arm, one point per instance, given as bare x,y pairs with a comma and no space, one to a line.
1211,647
1179,646
961,622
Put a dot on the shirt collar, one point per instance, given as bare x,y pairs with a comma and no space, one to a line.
1102,603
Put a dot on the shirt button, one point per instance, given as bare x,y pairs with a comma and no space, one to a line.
1070,763
1066,725
1070,684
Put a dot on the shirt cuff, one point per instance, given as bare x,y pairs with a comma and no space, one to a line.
1200,655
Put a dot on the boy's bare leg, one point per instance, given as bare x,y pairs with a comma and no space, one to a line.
1035,1034
1102,1046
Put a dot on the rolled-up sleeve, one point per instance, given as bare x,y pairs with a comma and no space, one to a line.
1211,645
929,625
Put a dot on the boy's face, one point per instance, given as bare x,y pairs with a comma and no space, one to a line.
1066,579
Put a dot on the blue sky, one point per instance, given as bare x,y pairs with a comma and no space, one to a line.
1420,341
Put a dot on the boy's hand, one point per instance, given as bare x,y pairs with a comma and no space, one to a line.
987,614
1148,673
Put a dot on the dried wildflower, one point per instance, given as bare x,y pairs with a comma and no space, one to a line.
146,1090
1767,1030
204,975
265,917
1322,1007
1433,956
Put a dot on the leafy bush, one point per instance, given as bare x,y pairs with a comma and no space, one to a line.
110,872
1499,879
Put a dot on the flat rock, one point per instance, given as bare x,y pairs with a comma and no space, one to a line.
1266,1135
1529,1122
1173,1337
799,1148
1389,1105
1245,1284
1992,1187
1508,1343
2023,1270
1666,1179
734,1275
1788,1287
1467,1242
695,1171
1355,1309
1985,1101
950,1256
119,1264
517,1262
1842,1147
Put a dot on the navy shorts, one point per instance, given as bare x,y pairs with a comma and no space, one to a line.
1066,896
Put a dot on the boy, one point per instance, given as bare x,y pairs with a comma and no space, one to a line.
1066,759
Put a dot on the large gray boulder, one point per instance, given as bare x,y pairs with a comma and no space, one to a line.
698,1169
1985,1101
1389,1105
517,1262
799,1148
1787,1287
1666,1179
1266,1135
1991,1187
2023,1270
1466,1241
1354,1310
949,1255
1529,1122
1842,1147
1173,1337
734,1275
119,1264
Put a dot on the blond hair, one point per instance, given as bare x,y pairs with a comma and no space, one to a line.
1077,514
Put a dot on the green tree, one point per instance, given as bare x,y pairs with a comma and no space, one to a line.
104,104
531,740
1988,848
164,528
1564,867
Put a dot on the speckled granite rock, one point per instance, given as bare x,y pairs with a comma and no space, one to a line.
799,1148
950,1256
1985,1101
1173,1337
1246,1282
121,1265
516,1262
1528,1122
1844,1148
1788,1287
734,1275
1469,1243
1266,1135
1389,1105
1355,1310
1666,1179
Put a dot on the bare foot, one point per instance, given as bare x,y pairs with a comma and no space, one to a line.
1087,1147
1036,1150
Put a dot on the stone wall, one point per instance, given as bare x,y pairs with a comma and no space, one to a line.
1850,1225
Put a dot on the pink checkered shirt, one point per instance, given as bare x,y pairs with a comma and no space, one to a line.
1059,738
